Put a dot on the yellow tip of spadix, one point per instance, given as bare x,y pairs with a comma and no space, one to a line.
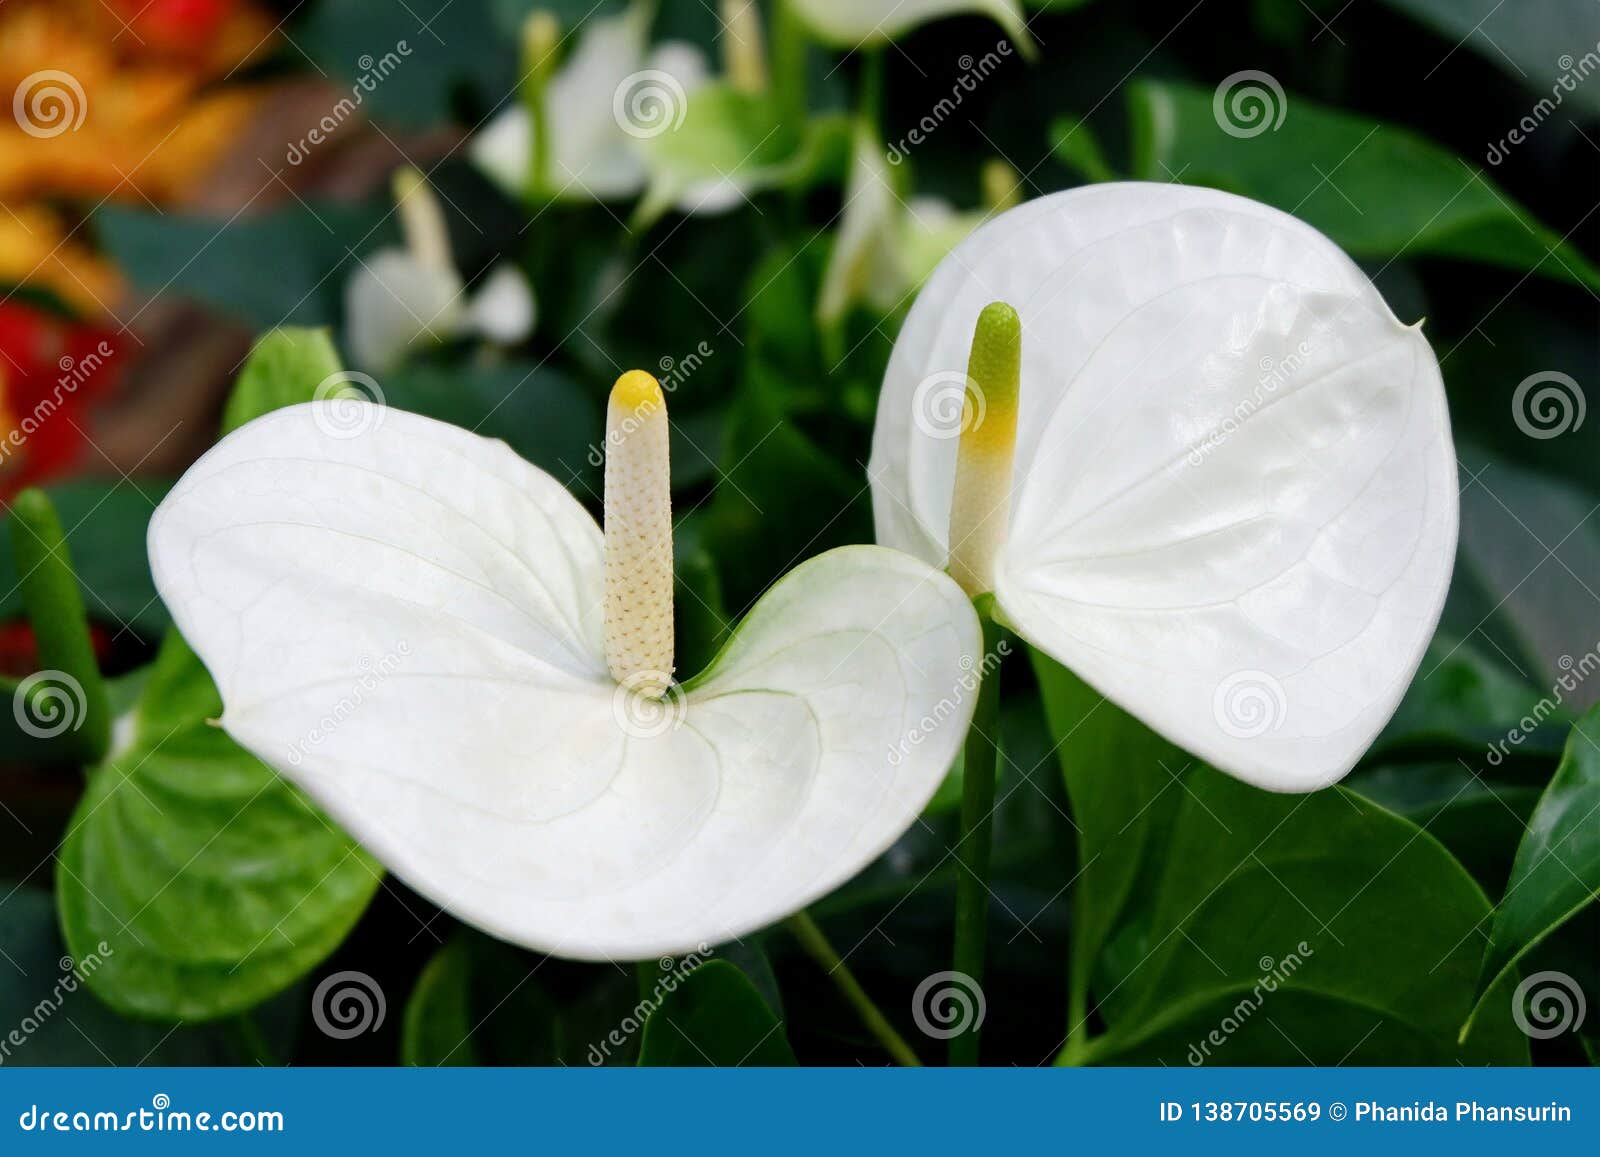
637,390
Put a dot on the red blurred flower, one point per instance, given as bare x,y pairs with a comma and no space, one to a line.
50,370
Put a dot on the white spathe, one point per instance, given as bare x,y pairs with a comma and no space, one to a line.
395,301
1234,504
406,621
855,24
884,247
592,154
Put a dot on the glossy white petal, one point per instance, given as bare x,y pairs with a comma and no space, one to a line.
404,619
857,23
394,300
503,308
1235,503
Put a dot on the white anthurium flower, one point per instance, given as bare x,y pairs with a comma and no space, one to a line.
885,247
403,297
854,24
437,643
612,93
1233,504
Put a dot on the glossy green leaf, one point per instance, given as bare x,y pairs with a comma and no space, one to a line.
1379,190
714,1017
52,1018
1557,870
538,411
476,1003
1462,701
1526,573
215,881
1253,921
286,367
282,267
1478,815
1533,41
419,59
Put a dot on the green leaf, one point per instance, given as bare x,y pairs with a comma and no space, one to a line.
105,527
1557,870
1525,572
45,1003
284,368
1461,702
419,58
714,1017
1114,767
1258,928
1528,40
475,1004
1077,147
283,267
1479,816
1378,190
216,882
539,412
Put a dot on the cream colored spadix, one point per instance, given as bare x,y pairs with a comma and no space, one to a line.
1234,495
412,626
638,530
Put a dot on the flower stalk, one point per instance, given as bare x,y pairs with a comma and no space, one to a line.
816,945
54,603
638,537
421,219
541,37
978,516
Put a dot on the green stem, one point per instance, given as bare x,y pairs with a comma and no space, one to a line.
872,89
648,974
975,850
817,947
788,46
54,603
251,1042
